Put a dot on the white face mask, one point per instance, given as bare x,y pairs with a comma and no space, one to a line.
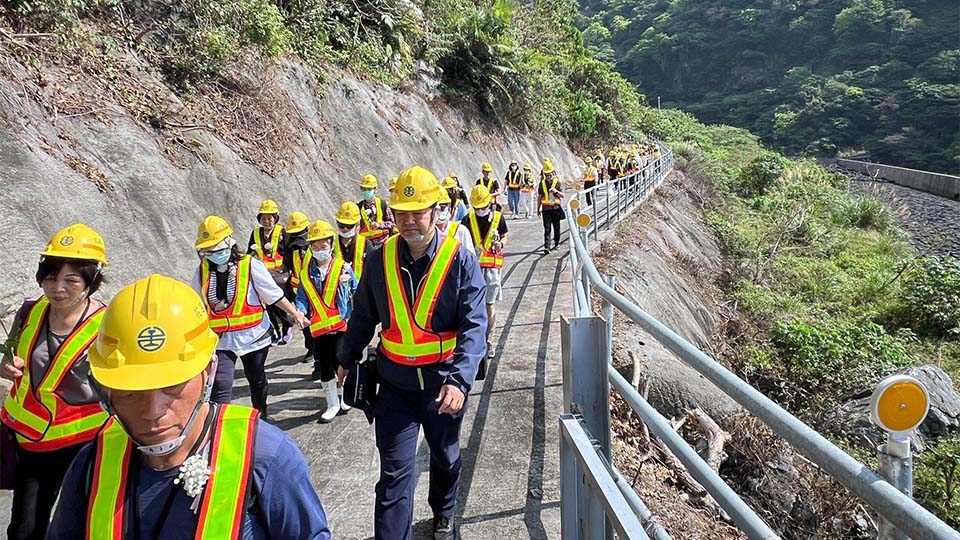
348,234
483,212
443,216
321,254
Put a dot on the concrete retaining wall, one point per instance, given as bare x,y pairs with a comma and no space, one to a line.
943,185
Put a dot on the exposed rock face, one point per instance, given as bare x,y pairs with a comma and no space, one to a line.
853,417
146,195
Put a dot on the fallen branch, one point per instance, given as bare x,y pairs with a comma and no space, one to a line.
715,436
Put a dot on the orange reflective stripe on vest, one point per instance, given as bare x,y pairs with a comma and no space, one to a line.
42,420
274,259
366,226
547,198
410,339
240,315
325,317
359,248
487,258
224,497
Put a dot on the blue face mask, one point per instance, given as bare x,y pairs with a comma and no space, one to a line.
368,195
321,254
219,257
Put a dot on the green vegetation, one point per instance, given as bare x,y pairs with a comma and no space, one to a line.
810,77
830,297
524,64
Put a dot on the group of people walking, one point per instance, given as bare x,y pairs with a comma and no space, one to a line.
127,406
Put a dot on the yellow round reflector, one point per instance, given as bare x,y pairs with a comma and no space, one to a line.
583,220
574,204
899,404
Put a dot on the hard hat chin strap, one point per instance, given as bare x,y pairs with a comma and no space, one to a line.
167,447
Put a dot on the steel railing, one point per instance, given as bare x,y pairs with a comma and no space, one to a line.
587,360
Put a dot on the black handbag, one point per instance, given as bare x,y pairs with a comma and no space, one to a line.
360,385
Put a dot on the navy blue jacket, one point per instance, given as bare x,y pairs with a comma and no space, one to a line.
460,307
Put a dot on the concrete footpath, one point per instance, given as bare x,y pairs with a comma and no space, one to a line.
510,485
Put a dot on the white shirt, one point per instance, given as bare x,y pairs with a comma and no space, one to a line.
462,235
241,342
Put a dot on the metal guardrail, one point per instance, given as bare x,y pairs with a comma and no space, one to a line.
586,346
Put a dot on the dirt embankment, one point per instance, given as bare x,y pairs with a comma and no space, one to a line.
102,140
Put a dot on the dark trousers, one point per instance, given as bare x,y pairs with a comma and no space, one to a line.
36,485
399,415
325,355
253,368
588,185
551,219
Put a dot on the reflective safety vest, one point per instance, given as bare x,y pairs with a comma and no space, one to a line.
359,251
42,420
239,315
410,340
325,317
297,257
488,259
272,259
590,175
487,183
527,183
221,512
452,229
366,226
514,178
547,198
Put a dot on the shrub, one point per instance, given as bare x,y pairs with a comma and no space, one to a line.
761,174
930,297
937,480
868,213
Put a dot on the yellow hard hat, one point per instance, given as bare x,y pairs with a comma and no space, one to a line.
212,231
319,230
449,182
588,159
297,222
393,182
547,166
269,206
348,213
444,197
417,189
480,196
369,182
453,175
513,162
154,334
486,168
527,167
76,241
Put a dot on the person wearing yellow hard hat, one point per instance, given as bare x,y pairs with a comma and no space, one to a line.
295,247
459,207
53,408
376,219
527,191
514,181
601,164
351,247
447,225
550,198
488,228
589,178
267,243
392,185
237,289
488,181
462,194
168,463
427,292
326,285
613,164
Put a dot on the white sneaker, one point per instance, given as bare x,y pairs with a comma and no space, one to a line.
333,402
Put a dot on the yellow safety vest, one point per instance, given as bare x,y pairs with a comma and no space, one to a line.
359,253
547,198
225,495
411,340
240,315
366,226
297,265
273,259
325,317
42,420
487,258
513,179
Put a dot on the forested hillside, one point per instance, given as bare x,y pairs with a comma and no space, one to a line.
810,77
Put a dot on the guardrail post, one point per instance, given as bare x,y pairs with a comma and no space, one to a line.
593,207
895,465
571,492
608,310
607,191
584,355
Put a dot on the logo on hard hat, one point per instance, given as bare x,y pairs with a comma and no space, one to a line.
409,191
66,241
206,234
151,338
